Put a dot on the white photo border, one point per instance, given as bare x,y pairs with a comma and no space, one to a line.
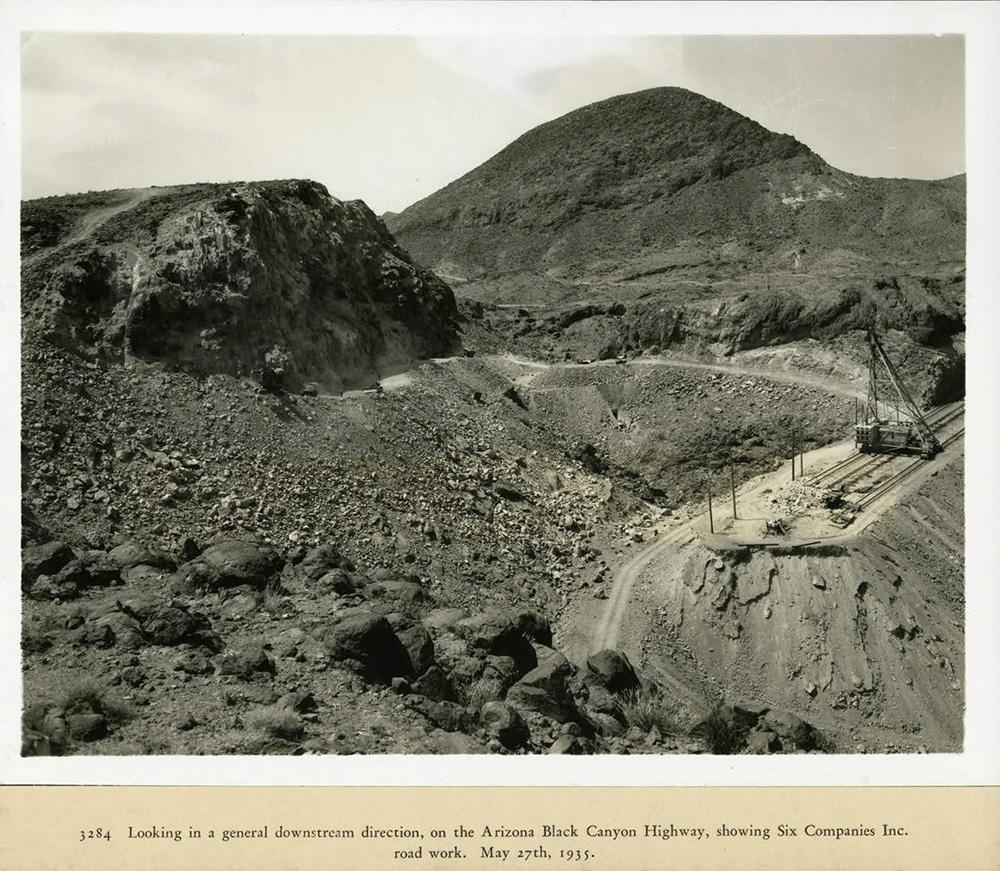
979,764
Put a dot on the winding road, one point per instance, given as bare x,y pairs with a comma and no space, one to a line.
607,631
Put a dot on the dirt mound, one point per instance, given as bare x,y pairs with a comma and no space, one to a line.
262,278
863,638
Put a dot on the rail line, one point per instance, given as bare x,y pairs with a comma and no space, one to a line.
859,462
902,474
874,463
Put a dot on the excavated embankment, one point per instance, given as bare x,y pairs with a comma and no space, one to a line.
864,637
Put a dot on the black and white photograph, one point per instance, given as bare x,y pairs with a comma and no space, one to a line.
507,394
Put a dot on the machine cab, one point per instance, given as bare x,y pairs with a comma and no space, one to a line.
867,437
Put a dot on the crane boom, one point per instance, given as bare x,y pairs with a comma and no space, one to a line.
880,434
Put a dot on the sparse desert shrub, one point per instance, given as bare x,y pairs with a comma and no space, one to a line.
38,633
271,598
823,743
722,732
275,370
80,694
478,693
410,608
76,707
275,723
646,708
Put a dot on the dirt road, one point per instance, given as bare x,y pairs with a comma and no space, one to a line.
608,629
732,368
606,633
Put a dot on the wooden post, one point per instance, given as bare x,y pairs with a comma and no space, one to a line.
802,463
711,521
793,451
732,484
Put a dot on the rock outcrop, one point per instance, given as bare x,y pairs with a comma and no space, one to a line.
275,280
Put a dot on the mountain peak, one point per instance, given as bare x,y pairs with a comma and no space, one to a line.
644,181
655,126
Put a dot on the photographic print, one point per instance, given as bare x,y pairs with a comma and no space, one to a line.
510,395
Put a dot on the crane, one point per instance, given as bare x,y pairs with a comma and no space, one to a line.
878,433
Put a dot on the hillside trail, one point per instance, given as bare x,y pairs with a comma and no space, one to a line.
92,220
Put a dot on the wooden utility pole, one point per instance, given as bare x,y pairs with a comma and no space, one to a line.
793,451
711,521
732,484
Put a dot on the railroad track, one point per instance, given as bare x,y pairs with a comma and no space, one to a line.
856,464
902,474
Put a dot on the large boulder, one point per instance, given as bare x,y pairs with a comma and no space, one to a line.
368,639
535,626
504,723
170,624
600,700
435,684
44,559
790,728
607,725
246,662
613,670
64,584
444,618
113,629
337,581
545,690
403,592
296,643
748,713
102,570
419,647
760,743
131,554
321,560
501,671
135,622
233,563
493,632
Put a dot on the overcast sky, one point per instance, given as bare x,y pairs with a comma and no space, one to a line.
391,119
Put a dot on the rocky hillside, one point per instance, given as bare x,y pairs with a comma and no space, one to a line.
211,568
273,279
712,231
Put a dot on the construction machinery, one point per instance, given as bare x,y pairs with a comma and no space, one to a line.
891,422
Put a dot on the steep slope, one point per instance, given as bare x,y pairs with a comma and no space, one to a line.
214,278
209,568
711,229
667,170
864,637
